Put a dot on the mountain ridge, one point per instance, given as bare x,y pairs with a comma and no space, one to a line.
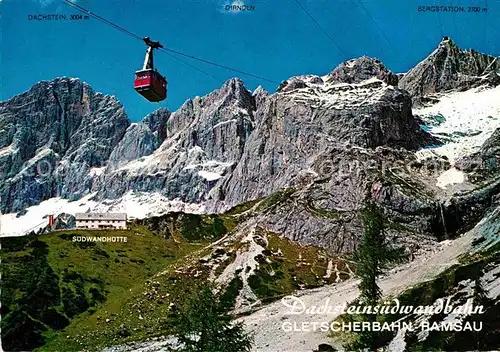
232,145
279,179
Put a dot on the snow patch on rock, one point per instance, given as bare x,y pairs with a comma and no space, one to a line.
209,176
449,177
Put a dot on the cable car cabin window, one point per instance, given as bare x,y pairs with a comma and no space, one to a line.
142,74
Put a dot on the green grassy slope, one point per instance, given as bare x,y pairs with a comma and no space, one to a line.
61,295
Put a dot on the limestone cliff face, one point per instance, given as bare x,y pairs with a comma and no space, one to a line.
203,140
296,127
51,137
232,146
140,139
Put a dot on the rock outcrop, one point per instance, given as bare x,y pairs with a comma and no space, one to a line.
141,139
361,69
486,159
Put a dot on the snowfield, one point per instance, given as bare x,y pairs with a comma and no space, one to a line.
36,216
465,120
471,117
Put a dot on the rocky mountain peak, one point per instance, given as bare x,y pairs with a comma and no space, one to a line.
216,107
353,71
361,69
259,95
233,85
450,68
233,91
448,42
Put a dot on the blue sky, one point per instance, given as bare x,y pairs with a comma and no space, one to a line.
276,40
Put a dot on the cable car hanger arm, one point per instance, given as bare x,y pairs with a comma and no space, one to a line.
148,60
152,44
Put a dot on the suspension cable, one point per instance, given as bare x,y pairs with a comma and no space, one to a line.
165,50
322,29
376,24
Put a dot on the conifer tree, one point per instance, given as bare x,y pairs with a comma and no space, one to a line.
206,326
374,254
372,258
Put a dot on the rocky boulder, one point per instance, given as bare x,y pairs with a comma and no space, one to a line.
487,159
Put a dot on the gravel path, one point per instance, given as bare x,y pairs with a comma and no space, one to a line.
267,323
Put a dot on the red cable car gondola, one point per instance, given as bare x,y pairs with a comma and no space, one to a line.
148,81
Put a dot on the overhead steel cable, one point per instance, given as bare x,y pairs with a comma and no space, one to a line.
165,49
133,35
195,68
376,25
217,65
102,19
321,28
